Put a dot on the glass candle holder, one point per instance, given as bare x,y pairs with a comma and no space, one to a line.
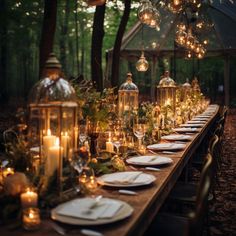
31,218
29,198
142,149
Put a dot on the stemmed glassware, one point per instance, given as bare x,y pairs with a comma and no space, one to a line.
117,139
139,130
77,164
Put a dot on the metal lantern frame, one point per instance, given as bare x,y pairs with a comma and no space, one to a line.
128,98
52,126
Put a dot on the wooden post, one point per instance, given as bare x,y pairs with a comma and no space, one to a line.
226,79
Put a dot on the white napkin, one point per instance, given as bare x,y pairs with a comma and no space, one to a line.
150,159
89,209
127,177
160,145
191,125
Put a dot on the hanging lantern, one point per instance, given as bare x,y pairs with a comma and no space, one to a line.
128,97
95,2
166,92
145,12
155,20
186,90
175,6
53,120
142,63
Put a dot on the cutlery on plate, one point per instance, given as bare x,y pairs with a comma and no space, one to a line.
152,168
95,204
128,192
90,232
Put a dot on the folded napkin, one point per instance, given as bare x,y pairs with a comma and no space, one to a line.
127,177
90,209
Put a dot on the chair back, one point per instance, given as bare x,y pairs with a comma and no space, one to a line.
198,216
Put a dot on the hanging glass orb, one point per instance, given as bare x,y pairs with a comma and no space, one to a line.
189,40
175,6
181,26
197,48
156,19
145,12
180,37
142,64
95,2
189,55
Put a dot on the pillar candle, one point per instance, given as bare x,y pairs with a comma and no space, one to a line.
29,198
53,158
109,144
65,143
48,141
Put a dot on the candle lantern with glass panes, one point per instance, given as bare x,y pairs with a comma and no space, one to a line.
53,128
186,90
166,91
128,98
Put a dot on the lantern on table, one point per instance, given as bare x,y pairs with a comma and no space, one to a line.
166,99
166,92
128,98
186,90
53,126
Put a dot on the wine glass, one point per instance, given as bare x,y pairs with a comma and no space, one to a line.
117,139
77,164
139,130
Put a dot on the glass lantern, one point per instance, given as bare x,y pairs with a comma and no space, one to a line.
53,126
166,92
128,98
145,12
186,90
142,63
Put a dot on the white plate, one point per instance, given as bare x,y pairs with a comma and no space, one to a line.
178,137
125,211
166,146
186,130
149,160
200,119
192,125
115,179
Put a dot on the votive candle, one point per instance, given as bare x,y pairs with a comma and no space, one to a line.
29,198
31,218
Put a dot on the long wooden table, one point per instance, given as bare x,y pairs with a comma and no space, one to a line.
146,203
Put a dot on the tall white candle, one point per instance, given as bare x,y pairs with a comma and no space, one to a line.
53,158
65,143
109,144
29,198
48,141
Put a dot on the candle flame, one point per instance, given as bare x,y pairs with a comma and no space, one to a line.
57,142
31,215
49,132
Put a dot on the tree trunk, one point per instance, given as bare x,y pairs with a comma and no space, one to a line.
96,51
63,36
48,32
116,50
3,55
77,38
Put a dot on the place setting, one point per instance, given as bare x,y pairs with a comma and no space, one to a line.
89,211
192,125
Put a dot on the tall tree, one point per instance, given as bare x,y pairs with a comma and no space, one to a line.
64,32
3,51
48,32
96,50
117,45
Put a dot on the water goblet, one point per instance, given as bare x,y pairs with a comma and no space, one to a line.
139,130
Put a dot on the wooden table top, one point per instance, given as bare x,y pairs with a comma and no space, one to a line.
146,203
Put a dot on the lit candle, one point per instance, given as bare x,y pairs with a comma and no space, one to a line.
31,218
53,158
48,141
65,143
29,198
92,184
109,145
142,149
7,171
